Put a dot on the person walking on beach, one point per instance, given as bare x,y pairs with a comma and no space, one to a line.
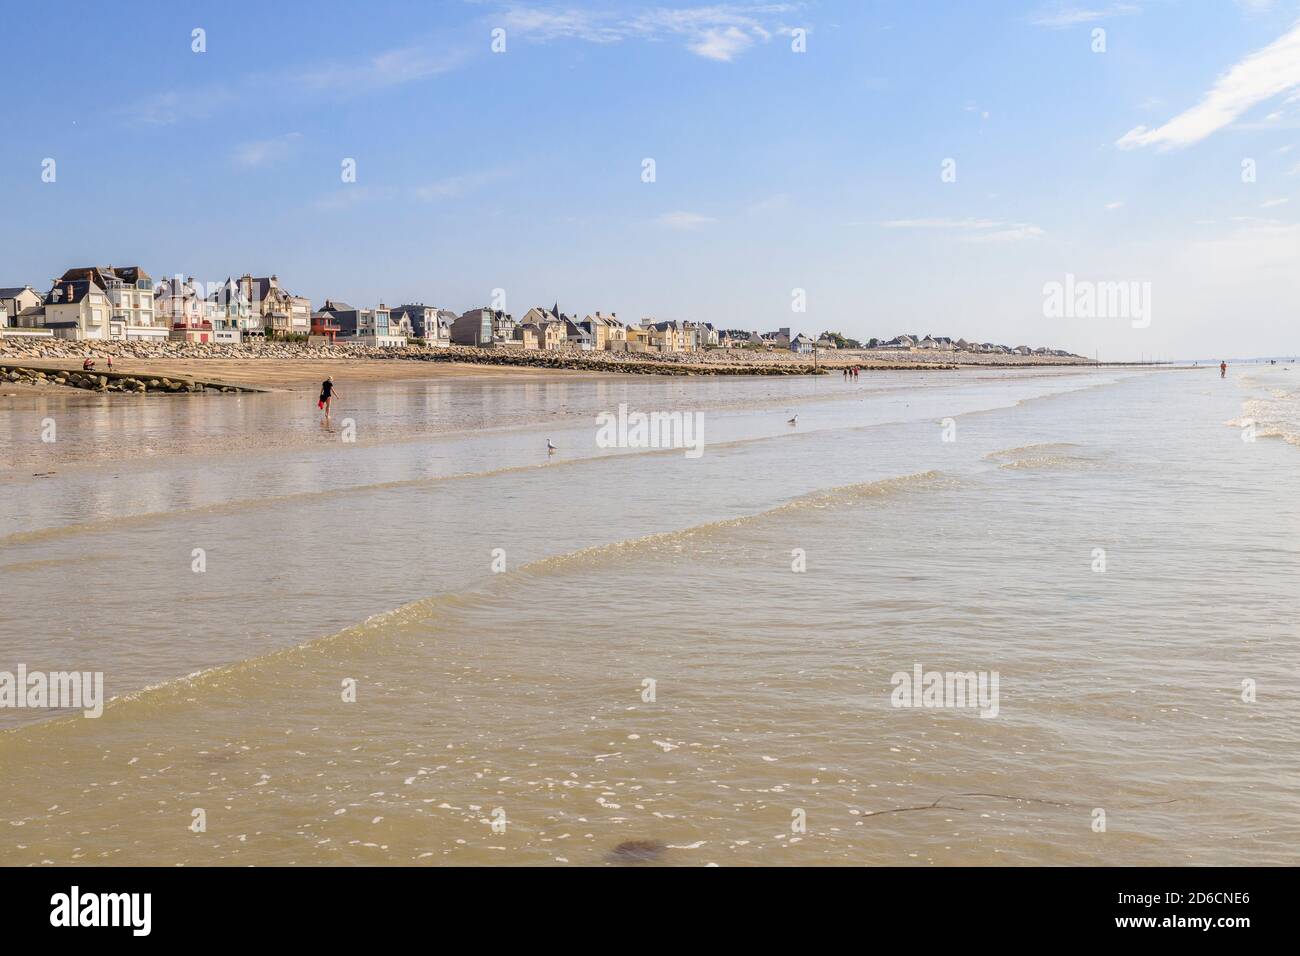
327,394
1223,370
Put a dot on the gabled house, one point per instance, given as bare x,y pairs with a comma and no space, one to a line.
77,309
780,339
230,312
706,336
552,326
178,303
15,299
539,314
802,345
323,328
129,292
672,336
607,332
553,335
423,322
578,336
638,338
275,310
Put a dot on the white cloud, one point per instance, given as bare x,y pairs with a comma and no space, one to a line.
716,32
453,187
1259,77
941,223
721,45
1015,233
543,25
973,230
390,68
1117,204
1062,15
1271,203
684,220
347,76
349,195
265,152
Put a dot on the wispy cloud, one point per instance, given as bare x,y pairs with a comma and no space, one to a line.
973,230
453,187
1261,76
349,195
1272,203
265,152
390,68
1059,16
716,32
682,219
338,79
724,44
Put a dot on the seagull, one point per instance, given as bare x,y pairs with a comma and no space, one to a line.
793,421
549,447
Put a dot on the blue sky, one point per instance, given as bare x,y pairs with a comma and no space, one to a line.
774,170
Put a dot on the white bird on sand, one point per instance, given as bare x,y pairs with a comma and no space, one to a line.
793,421
549,446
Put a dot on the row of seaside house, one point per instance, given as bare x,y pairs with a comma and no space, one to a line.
123,303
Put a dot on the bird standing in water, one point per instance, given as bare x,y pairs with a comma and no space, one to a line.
550,449
793,421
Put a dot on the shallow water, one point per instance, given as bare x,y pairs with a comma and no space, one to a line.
521,698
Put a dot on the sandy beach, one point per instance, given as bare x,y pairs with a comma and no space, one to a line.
297,374
364,548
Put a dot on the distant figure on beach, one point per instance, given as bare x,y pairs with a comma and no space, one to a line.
88,364
110,363
1223,370
327,394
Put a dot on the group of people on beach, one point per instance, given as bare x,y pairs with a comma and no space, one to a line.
851,372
